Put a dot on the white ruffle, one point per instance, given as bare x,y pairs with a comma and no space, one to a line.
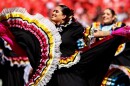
57,40
76,60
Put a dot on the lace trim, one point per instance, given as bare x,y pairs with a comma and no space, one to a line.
59,28
69,61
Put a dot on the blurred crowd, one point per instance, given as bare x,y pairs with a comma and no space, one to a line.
86,11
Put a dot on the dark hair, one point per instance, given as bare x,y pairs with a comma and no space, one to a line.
113,14
68,12
112,11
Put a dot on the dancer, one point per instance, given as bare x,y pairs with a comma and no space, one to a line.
78,69
109,23
39,40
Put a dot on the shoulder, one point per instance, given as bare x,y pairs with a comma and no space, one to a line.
120,24
76,26
96,24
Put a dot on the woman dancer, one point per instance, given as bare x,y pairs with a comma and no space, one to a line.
74,66
109,23
78,69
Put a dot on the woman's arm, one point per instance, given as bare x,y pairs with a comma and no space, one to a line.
101,33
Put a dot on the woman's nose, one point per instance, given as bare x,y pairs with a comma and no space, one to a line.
104,16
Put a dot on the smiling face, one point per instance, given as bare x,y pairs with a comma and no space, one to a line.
57,16
108,17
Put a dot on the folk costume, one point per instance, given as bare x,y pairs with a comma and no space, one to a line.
33,39
92,64
52,52
115,73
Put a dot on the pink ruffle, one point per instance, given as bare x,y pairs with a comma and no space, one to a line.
123,31
7,36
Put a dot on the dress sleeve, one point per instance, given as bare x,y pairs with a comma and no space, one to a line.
78,31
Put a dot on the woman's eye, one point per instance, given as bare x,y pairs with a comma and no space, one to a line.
103,14
107,14
56,11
